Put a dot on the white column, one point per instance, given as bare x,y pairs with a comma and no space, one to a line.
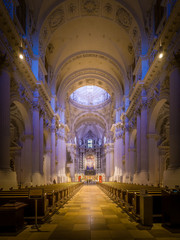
116,159
8,178
138,148
138,142
132,153
144,145
121,151
61,155
47,159
111,159
36,176
175,118
53,153
118,151
153,159
58,154
126,175
72,165
107,163
27,160
41,142
171,176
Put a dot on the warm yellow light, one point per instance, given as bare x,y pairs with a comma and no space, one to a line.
161,55
21,55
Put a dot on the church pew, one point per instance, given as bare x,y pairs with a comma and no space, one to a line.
128,197
23,196
54,196
134,205
171,207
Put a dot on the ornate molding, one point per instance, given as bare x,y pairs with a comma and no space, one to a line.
90,7
74,8
144,103
56,18
123,18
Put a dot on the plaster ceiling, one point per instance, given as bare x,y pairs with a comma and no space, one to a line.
90,42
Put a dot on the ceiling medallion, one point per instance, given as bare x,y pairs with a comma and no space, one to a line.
130,48
123,18
56,18
108,7
71,8
90,7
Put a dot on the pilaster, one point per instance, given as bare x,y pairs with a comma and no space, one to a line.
172,175
8,177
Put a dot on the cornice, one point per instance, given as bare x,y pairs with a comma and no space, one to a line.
138,64
12,40
42,66
166,37
134,96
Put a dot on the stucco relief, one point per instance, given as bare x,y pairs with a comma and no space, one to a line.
123,18
56,19
73,8
90,7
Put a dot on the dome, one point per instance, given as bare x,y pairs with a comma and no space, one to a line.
90,95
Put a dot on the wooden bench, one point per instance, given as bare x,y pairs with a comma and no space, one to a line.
54,196
23,196
128,197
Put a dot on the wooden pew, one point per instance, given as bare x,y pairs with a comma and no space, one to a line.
171,208
23,196
54,196
128,197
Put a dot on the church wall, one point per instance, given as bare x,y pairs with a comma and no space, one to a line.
141,126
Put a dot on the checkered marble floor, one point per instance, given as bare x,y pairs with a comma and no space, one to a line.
91,215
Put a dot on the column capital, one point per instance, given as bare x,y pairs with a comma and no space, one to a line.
144,103
137,111
127,125
35,105
118,130
61,133
41,112
109,147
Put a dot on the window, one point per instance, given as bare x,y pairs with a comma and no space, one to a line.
90,143
90,95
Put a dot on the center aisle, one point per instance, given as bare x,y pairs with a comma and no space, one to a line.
90,214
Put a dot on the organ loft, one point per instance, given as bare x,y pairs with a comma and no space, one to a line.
89,115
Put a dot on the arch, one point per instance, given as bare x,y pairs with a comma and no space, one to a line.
154,115
131,19
98,78
89,117
83,54
25,116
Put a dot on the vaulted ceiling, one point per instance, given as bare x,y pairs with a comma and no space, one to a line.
90,42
